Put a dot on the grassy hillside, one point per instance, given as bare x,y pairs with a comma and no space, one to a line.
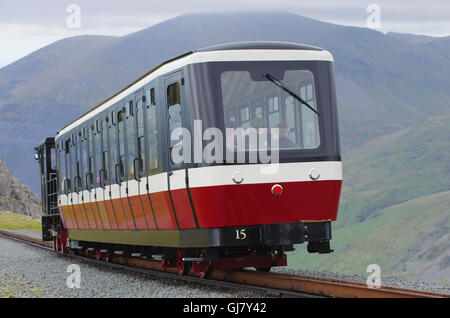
410,240
395,207
412,163
15,221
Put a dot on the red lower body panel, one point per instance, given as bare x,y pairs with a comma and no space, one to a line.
215,206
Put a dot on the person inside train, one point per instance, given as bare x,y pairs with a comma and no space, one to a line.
284,140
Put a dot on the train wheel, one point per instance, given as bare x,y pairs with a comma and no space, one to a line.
264,269
202,269
182,267
204,273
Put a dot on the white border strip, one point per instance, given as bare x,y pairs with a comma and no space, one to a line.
222,175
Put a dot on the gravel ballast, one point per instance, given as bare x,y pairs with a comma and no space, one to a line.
27,271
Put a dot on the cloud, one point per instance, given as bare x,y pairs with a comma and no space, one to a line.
28,25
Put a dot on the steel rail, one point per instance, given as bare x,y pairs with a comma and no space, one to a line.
275,284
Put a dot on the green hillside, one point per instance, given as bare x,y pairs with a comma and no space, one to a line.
410,239
395,207
411,164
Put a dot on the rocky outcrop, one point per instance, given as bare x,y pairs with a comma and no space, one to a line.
16,197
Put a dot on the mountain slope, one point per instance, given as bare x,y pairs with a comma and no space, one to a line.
414,163
409,240
16,197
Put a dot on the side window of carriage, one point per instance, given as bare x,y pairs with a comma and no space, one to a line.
152,128
140,129
65,164
121,143
175,120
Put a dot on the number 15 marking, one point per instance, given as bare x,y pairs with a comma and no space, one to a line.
240,234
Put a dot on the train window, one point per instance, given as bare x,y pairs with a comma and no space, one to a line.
91,142
173,94
121,144
122,162
98,157
62,166
112,149
297,124
90,180
79,146
120,116
141,153
67,161
53,158
152,135
140,135
105,148
84,160
105,166
175,118
175,121
131,145
152,96
113,121
130,107
73,165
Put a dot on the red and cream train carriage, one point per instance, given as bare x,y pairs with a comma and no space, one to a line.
118,187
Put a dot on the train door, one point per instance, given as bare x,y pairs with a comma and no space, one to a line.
156,180
91,181
134,169
116,167
125,163
74,177
86,180
78,185
177,117
98,176
105,172
140,162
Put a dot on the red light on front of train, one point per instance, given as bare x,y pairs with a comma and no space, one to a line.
277,190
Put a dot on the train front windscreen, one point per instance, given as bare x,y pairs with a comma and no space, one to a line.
290,105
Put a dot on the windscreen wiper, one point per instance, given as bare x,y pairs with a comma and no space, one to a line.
287,90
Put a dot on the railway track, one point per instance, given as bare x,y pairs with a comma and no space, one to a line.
272,284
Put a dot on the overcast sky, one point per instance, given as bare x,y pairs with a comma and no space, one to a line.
27,25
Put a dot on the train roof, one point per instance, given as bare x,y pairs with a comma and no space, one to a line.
234,51
260,45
